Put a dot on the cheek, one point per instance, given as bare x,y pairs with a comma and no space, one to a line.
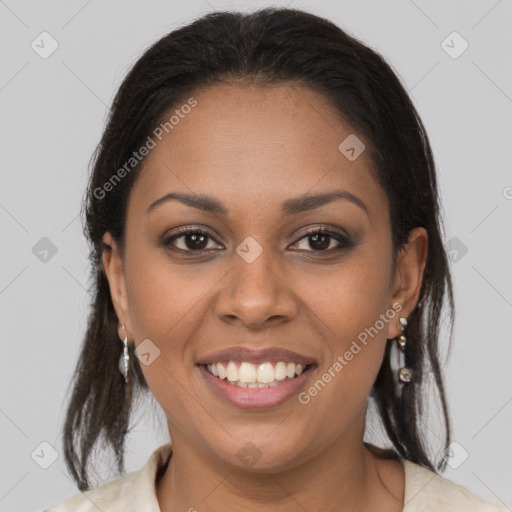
165,308
349,306
349,297
355,297
165,300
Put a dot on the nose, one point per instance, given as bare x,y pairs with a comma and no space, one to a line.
256,295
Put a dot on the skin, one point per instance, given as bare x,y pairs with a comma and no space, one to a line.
251,148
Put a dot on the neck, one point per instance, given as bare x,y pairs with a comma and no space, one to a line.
344,476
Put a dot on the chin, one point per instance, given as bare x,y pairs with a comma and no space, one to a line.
262,452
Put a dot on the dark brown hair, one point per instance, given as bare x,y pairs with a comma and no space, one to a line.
269,46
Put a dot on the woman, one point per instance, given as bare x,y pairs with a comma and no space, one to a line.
266,243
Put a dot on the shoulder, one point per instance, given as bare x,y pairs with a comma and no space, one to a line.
101,498
426,491
136,491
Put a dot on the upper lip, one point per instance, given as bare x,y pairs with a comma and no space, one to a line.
256,356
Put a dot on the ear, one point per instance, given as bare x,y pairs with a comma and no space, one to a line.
114,269
411,261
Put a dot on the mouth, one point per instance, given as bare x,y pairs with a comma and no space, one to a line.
255,378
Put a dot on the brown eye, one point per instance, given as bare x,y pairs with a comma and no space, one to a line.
189,240
320,240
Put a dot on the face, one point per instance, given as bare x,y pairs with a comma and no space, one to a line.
269,272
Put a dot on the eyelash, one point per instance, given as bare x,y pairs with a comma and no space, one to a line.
344,242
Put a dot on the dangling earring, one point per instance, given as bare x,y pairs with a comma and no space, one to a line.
404,373
124,359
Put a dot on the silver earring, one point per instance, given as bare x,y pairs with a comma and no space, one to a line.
124,359
404,373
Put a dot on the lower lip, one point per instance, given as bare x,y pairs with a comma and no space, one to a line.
255,398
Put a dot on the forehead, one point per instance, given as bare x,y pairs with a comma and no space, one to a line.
256,143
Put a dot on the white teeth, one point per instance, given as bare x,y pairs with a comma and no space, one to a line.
220,370
266,373
232,372
248,375
247,372
280,371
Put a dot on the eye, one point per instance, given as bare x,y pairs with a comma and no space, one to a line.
320,240
315,240
189,240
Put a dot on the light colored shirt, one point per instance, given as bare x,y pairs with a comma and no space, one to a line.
425,491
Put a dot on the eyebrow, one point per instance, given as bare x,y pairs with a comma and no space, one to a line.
292,206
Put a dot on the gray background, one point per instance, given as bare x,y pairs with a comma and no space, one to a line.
52,114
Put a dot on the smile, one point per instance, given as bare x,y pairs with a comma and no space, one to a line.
255,376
